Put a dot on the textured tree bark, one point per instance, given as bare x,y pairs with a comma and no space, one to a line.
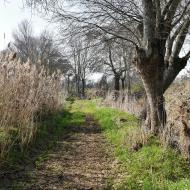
117,82
128,86
153,102
68,84
156,77
154,112
172,71
151,69
83,87
77,83
158,60
123,83
123,89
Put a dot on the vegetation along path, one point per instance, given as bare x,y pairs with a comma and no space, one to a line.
80,160
89,146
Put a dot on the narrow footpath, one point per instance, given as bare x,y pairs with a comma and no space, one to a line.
81,161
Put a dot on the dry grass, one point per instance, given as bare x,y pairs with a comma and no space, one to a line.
177,130
26,93
131,105
137,138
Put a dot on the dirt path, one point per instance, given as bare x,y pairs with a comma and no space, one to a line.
81,161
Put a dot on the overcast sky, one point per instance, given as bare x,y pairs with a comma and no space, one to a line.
12,13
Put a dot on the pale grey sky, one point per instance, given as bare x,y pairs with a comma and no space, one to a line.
12,13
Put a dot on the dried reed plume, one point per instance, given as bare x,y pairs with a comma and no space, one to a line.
25,94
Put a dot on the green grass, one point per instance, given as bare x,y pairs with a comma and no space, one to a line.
152,167
49,131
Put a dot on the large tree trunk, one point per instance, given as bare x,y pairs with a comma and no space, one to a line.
156,114
157,74
151,68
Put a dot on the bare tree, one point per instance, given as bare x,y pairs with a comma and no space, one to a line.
82,58
50,54
157,29
126,77
116,59
165,28
24,41
41,48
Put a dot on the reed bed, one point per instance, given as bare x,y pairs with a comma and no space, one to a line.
130,104
27,93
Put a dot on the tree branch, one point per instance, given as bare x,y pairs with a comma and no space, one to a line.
149,21
172,71
179,41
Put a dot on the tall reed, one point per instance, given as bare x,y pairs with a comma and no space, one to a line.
130,104
26,93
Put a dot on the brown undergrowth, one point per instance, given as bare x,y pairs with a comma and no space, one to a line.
27,93
177,131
